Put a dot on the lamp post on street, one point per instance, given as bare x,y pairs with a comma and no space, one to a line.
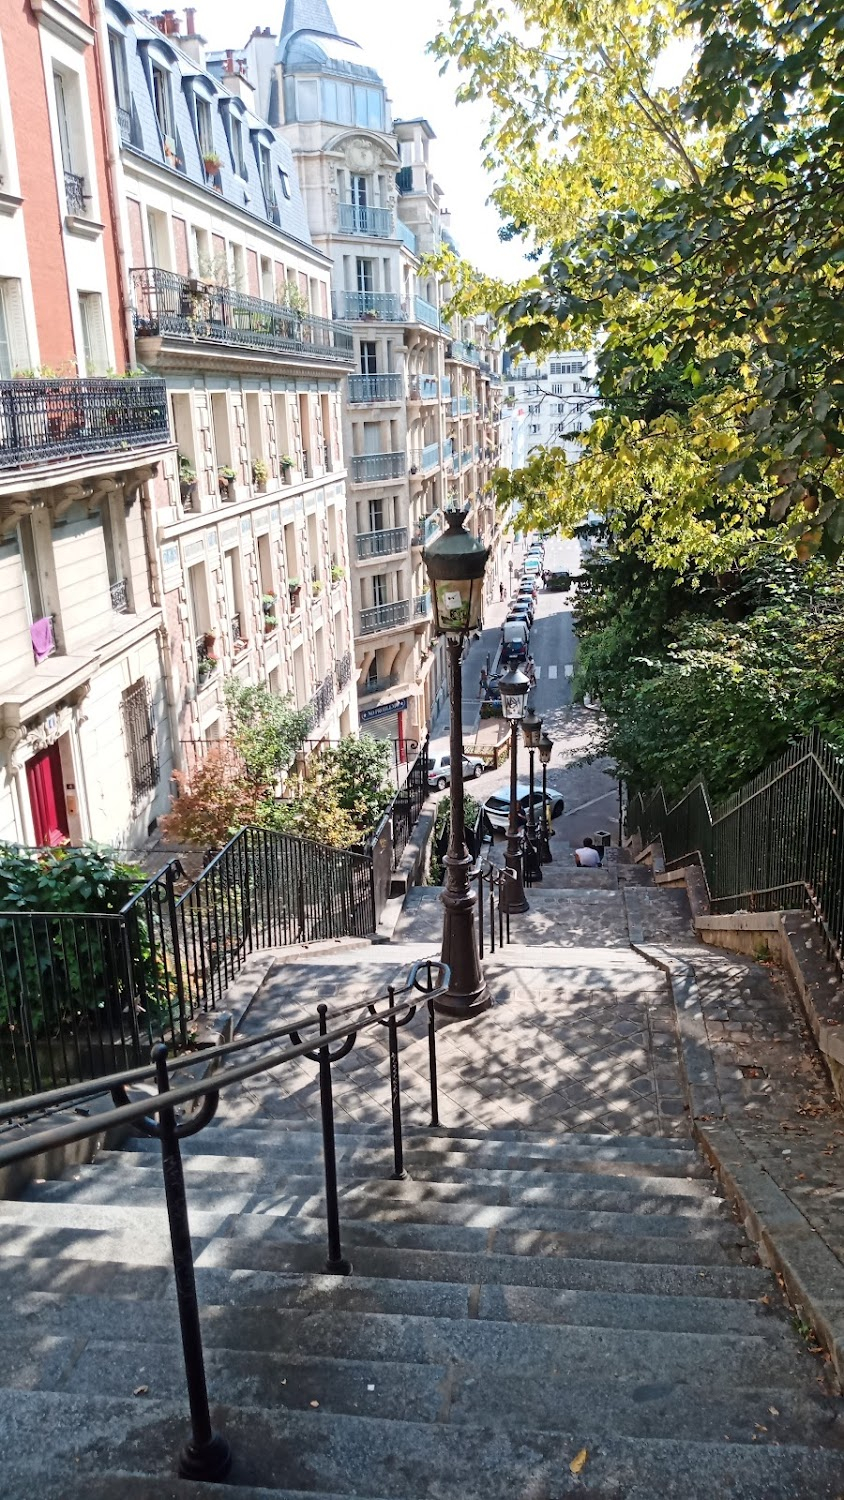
513,687
532,729
546,745
456,563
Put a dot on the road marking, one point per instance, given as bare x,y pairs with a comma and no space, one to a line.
569,669
537,672
552,673
570,811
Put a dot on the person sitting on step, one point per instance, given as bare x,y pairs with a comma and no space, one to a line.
587,854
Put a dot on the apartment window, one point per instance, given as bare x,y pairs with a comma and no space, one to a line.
376,514
284,180
266,170
364,270
31,575
237,148
204,127
379,590
533,428
533,411
119,73
14,345
64,117
93,333
307,99
368,357
139,735
358,191
163,104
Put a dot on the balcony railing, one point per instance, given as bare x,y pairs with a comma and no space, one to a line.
356,219
381,543
43,420
235,631
368,467
429,527
430,457
322,699
119,596
448,449
384,616
124,125
369,307
424,388
422,605
425,312
343,670
181,307
377,685
75,195
466,353
407,237
445,386
369,388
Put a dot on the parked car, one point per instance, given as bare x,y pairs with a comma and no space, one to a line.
439,770
515,635
521,612
532,565
497,807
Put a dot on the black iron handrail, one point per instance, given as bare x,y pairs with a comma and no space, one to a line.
778,841
166,303
48,419
206,1455
495,877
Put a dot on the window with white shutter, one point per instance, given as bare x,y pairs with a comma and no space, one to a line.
93,333
14,344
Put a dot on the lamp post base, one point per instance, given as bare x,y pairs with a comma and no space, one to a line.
467,993
513,898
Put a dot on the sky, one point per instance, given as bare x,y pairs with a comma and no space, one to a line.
396,49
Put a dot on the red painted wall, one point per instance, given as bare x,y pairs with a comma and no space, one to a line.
100,95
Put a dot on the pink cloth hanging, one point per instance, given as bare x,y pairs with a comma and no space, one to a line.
43,640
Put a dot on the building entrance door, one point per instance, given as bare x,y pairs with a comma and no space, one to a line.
46,796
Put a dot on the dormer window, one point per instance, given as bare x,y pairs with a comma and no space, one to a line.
204,128
163,104
237,146
284,180
266,170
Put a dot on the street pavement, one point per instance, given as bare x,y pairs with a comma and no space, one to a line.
591,794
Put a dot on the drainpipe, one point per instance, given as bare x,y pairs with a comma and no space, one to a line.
157,596
105,87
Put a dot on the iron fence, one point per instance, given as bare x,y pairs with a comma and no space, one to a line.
43,420
777,842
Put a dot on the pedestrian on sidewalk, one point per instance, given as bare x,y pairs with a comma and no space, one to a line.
482,684
530,669
502,592
587,855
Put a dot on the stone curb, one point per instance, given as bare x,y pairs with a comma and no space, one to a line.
787,1242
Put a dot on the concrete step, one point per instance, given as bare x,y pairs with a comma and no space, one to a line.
436,1184
486,1301
658,915
139,1279
320,1453
678,1147
452,1166
578,1351
280,1149
122,1232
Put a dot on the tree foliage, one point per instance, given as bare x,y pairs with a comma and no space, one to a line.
265,729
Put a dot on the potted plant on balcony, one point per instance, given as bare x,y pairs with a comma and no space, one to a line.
270,616
187,481
337,572
294,588
316,587
226,482
211,162
259,474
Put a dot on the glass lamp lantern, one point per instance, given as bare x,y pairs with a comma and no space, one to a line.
456,563
546,745
531,728
513,687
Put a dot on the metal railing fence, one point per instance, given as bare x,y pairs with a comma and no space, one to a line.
777,842
45,419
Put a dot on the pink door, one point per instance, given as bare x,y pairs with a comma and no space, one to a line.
46,796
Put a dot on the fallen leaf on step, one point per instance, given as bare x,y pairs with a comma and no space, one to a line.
140,1390
774,1410
579,1460
760,1427
314,1403
766,1299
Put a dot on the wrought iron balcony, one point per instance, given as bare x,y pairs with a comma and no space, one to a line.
368,467
424,388
445,386
369,307
374,685
124,125
356,219
384,616
422,605
429,527
343,670
372,388
75,195
181,307
235,631
381,543
407,237
448,449
466,354
44,420
425,312
322,699
119,596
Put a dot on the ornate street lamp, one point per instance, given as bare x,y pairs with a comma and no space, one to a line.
545,747
456,563
531,730
514,687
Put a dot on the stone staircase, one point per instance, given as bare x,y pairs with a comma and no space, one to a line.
534,1314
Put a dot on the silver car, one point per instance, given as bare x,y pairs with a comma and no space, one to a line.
439,770
497,807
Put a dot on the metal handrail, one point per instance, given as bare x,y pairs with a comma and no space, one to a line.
207,1455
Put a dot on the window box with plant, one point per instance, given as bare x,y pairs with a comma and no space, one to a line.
268,605
260,473
294,589
227,485
316,587
337,573
187,482
211,163
286,466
